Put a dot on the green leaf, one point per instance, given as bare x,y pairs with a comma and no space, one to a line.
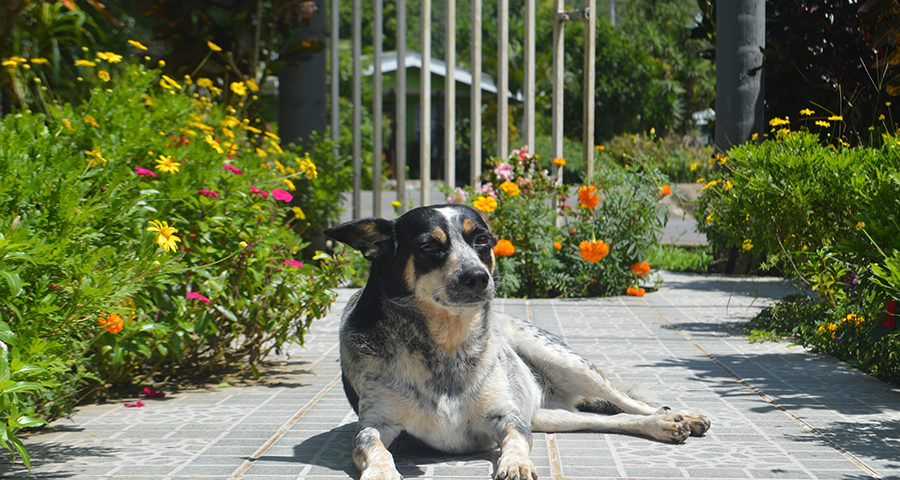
13,281
224,385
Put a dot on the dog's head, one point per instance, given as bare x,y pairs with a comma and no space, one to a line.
443,254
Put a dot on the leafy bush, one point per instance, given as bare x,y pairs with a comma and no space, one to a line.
149,232
601,236
825,216
681,159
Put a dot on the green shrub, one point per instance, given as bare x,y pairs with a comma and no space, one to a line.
681,159
523,202
147,233
825,216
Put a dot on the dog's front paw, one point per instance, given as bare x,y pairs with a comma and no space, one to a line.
667,426
381,472
515,467
698,424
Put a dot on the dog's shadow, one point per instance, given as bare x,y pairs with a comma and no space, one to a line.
331,451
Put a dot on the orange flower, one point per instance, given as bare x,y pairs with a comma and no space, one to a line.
587,195
504,248
485,204
601,148
557,245
665,190
593,251
510,188
640,269
635,291
559,162
112,322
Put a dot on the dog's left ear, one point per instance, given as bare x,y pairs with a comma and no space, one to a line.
373,237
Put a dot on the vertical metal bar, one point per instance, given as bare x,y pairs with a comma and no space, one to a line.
400,127
377,107
475,106
425,105
590,36
357,110
558,53
334,49
529,74
503,79
450,98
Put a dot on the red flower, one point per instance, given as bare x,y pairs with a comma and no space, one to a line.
233,169
151,393
135,404
282,195
144,172
208,193
292,263
197,296
890,321
264,193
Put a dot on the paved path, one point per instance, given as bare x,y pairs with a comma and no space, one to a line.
777,411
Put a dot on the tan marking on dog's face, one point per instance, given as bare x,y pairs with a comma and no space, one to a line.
409,274
439,234
468,225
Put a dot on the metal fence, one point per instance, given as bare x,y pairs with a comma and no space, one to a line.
587,14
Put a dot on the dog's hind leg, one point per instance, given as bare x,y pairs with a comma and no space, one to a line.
664,425
570,379
370,453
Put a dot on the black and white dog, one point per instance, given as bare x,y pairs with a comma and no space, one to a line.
422,353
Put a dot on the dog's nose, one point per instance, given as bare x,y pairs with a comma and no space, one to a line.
474,280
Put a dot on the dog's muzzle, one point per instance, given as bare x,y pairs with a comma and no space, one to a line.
472,285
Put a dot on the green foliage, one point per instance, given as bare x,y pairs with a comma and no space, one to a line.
681,159
824,215
547,261
147,233
680,259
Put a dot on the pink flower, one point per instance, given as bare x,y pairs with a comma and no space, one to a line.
282,195
504,171
207,193
488,189
151,393
135,404
144,172
197,296
235,170
458,196
264,193
292,263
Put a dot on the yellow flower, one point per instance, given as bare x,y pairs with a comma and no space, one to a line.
103,75
298,213
806,112
396,204
853,318
881,117
485,204
747,245
94,158
709,219
213,143
84,63
39,61
109,57
307,167
860,225
251,84
66,123
712,183
165,163
168,83
823,123
694,166
727,185
13,62
212,46
90,120
238,88
204,82
136,44
510,188
836,118
290,184
165,235
776,122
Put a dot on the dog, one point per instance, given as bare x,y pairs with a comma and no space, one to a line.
423,354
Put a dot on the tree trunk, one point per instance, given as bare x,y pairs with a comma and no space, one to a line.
740,38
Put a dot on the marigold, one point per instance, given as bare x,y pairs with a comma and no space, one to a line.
593,251
485,204
635,291
587,195
510,188
90,120
855,319
747,245
112,322
165,234
559,162
640,269
665,190
557,245
504,248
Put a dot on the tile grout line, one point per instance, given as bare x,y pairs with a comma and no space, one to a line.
849,456
555,462
284,428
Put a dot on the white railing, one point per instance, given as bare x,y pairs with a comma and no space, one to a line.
587,14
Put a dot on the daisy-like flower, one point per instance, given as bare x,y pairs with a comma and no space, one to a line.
307,167
212,46
257,191
84,63
197,296
823,123
282,195
109,57
238,88
777,122
807,112
136,44
144,172
836,118
103,75
165,163
94,158
747,245
204,82
233,169
299,214
165,234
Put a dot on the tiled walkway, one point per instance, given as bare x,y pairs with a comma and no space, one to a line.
777,411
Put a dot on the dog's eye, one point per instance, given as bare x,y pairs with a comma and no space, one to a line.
482,240
429,247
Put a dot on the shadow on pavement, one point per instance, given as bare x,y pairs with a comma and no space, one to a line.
44,454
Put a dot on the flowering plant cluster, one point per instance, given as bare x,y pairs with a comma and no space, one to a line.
149,232
560,240
824,215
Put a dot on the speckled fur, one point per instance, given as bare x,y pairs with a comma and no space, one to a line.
422,353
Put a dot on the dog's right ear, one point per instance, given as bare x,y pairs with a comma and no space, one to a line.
373,237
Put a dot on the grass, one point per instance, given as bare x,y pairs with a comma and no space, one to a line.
680,259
